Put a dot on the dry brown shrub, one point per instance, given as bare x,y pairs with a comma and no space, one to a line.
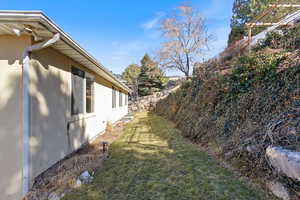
109,127
241,127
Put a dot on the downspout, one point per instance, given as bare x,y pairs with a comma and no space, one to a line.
26,106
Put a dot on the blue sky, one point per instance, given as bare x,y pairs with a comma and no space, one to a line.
119,32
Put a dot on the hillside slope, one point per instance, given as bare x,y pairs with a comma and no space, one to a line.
240,111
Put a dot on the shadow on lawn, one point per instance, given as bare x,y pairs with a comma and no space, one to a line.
153,161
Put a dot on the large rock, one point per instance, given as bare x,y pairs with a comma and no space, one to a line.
78,183
285,161
53,196
85,177
278,190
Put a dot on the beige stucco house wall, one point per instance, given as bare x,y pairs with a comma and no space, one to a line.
11,142
53,131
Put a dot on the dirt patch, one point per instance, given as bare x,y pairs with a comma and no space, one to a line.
61,177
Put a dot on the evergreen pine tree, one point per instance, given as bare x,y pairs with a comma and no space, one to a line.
150,78
241,11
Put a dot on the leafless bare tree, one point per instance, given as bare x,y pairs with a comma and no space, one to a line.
186,40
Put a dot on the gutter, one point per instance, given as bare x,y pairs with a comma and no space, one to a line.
26,106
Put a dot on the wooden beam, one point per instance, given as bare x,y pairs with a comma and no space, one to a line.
284,5
266,24
249,36
264,13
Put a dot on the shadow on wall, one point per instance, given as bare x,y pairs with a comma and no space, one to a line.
50,106
10,130
54,134
11,140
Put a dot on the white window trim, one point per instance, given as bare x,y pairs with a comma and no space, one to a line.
112,90
91,76
121,100
116,99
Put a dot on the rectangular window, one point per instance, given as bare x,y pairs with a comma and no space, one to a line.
126,99
120,99
77,98
113,98
89,94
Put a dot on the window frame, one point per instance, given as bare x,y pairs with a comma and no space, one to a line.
120,99
126,99
114,98
72,90
84,114
92,77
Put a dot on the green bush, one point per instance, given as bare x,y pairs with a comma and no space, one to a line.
273,40
250,69
287,38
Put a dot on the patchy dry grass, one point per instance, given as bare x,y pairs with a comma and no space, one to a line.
151,160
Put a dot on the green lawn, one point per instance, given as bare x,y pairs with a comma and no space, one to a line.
151,160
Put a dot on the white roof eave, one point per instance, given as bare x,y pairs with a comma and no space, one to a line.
38,16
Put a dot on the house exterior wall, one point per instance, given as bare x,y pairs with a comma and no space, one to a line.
11,140
54,132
